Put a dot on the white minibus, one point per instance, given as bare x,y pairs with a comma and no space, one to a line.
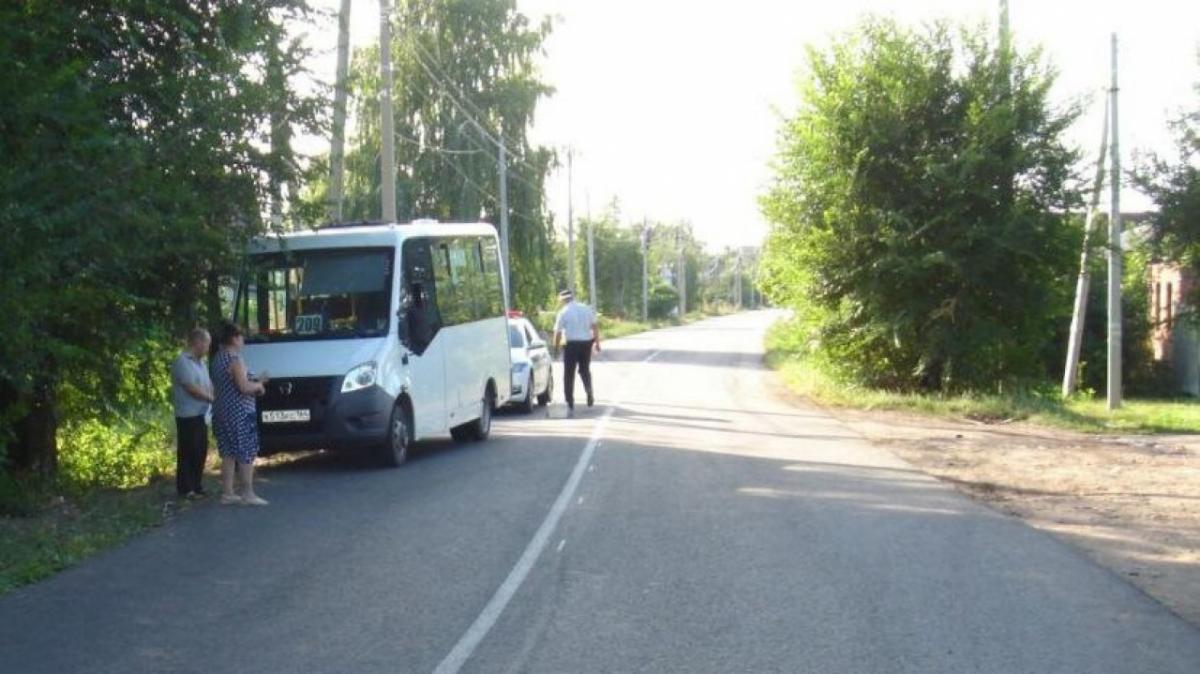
376,335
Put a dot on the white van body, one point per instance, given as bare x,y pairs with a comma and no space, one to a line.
358,327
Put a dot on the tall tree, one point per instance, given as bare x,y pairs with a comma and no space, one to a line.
618,257
916,208
1174,185
465,79
131,135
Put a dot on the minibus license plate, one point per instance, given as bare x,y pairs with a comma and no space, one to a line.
284,416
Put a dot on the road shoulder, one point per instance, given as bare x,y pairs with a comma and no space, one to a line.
1130,503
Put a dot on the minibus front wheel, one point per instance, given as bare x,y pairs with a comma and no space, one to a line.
399,438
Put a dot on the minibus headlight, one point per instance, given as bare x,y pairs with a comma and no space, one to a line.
359,378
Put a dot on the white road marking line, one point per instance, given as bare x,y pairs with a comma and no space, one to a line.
491,612
591,467
579,501
561,544
470,640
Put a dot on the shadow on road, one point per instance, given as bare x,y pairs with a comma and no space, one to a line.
352,460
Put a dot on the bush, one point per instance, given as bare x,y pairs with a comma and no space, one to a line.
17,499
662,299
125,454
128,442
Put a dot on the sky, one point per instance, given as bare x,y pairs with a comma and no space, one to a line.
672,106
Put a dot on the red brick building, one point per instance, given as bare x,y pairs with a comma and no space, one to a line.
1174,341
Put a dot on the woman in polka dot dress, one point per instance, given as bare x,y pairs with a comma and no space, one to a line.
235,420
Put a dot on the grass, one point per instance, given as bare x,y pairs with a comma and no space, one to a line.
115,480
63,527
1082,413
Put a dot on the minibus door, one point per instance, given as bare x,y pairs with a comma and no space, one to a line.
421,333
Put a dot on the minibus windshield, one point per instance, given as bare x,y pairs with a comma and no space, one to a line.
317,294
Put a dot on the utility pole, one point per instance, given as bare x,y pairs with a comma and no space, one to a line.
337,152
1114,252
683,277
737,280
1083,284
682,271
280,143
645,270
570,222
593,293
504,259
1005,33
387,192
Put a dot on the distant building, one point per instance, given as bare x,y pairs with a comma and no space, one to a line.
1175,341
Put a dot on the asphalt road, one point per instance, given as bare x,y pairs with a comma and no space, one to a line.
691,522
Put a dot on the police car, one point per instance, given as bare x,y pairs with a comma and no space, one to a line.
532,375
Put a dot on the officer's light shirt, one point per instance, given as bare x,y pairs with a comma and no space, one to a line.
575,321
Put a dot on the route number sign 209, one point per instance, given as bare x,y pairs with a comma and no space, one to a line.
309,324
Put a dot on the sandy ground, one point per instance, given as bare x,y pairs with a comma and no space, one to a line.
1131,503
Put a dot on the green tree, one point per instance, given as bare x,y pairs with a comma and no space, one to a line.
667,242
916,205
131,135
465,77
1140,373
1174,185
719,287
618,257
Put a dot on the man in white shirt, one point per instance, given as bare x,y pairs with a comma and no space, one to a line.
576,325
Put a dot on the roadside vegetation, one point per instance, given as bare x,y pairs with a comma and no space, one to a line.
1084,412
923,233
49,527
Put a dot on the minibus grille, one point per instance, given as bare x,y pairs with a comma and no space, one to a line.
297,393
285,393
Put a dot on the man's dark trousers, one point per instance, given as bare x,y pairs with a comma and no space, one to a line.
191,454
577,354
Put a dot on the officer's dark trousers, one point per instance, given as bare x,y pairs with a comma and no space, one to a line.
577,355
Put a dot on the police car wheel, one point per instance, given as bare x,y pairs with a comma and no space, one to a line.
526,405
543,398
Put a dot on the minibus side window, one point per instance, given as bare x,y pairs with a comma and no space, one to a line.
421,315
468,277
494,292
455,304
466,273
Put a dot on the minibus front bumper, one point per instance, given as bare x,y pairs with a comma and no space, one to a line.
335,421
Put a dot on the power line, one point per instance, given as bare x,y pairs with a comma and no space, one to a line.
433,148
484,191
443,88
460,100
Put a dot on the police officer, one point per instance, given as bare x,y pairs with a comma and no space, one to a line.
576,324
